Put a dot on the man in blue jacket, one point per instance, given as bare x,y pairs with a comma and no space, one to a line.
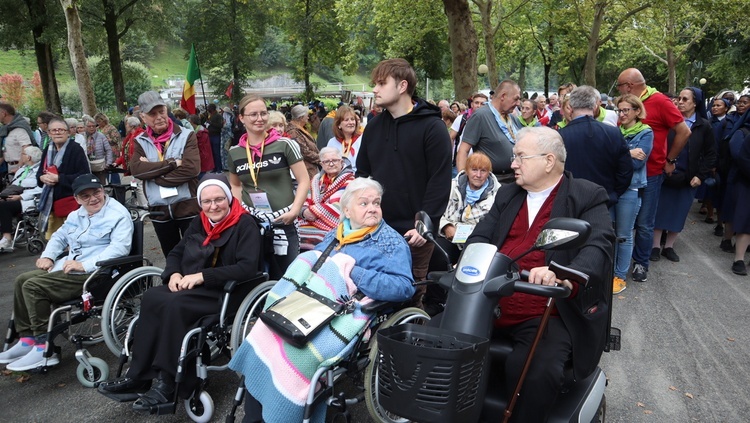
99,230
407,149
596,151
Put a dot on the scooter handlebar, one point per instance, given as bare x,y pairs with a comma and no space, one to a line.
541,290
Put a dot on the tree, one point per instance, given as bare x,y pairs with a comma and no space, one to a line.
78,57
490,29
464,46
40,19
598,21
230,53
117,17
313,29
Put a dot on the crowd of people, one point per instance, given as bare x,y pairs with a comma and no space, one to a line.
300,171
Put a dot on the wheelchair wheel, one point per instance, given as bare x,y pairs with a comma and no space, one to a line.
377,412
248,313
35,246
100,374
90,330
200,409
123,303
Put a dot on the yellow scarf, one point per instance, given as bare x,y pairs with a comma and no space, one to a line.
353,236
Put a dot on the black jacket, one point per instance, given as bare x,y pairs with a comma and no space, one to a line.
74,164
700,152
598,152
238,257
585,316
411,157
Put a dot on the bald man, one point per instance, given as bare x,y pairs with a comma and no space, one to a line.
661,116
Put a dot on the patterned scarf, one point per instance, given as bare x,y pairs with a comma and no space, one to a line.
346,235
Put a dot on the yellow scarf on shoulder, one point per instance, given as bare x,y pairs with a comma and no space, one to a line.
353,235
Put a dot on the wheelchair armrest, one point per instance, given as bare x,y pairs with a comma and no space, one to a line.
119,261
377,306
230,286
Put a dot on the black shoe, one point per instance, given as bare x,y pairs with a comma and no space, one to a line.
160,393
655,254
640,274
726,246
709,220
738,268
123,389
670,254
719,230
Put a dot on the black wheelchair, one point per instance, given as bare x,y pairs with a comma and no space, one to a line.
79,319
357,368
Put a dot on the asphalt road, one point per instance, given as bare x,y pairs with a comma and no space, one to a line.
684,354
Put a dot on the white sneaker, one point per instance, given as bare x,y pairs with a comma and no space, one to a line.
32,360
15,352
5,245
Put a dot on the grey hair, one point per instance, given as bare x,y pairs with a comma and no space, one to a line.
584,98
133,121
328,150
86,119
357,185
34,153
72,122
547,141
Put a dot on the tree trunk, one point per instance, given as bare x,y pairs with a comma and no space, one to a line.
115,61
672,70
522,74
43,53
548,64
589,68
485,13
464,45
78,57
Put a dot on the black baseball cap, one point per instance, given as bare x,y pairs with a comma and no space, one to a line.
85,181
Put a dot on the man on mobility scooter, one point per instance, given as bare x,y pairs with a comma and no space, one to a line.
578,328
99,230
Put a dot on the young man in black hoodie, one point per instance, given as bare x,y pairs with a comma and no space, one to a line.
407,149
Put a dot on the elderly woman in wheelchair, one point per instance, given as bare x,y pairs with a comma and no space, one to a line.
18,197
221,244
362,260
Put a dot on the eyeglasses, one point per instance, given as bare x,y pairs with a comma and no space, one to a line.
625,110
620,84
57,131
216,201
684,99
520,159
331,162
87,197
256,116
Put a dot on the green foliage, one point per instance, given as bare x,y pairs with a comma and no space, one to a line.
136,47
135,75
275,49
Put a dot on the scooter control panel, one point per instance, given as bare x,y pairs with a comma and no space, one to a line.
475,262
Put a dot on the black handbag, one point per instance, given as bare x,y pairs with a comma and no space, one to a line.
299,316
11,190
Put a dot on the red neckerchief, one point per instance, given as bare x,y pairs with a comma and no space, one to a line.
214,232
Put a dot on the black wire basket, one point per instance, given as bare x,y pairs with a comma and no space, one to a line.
428,374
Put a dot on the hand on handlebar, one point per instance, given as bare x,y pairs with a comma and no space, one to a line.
543,276
413,238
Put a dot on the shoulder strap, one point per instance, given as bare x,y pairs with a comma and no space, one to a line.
325,255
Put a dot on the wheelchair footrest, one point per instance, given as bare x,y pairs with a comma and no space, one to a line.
163,409
615,336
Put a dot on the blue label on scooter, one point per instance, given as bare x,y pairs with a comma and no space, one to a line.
470,270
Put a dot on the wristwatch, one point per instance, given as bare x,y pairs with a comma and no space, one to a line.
671,161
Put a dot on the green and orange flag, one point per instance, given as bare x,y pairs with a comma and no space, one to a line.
188,90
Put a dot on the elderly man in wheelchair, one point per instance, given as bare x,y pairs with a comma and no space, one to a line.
222,244
363,261
99,230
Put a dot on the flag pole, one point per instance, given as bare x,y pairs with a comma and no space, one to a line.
205,103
